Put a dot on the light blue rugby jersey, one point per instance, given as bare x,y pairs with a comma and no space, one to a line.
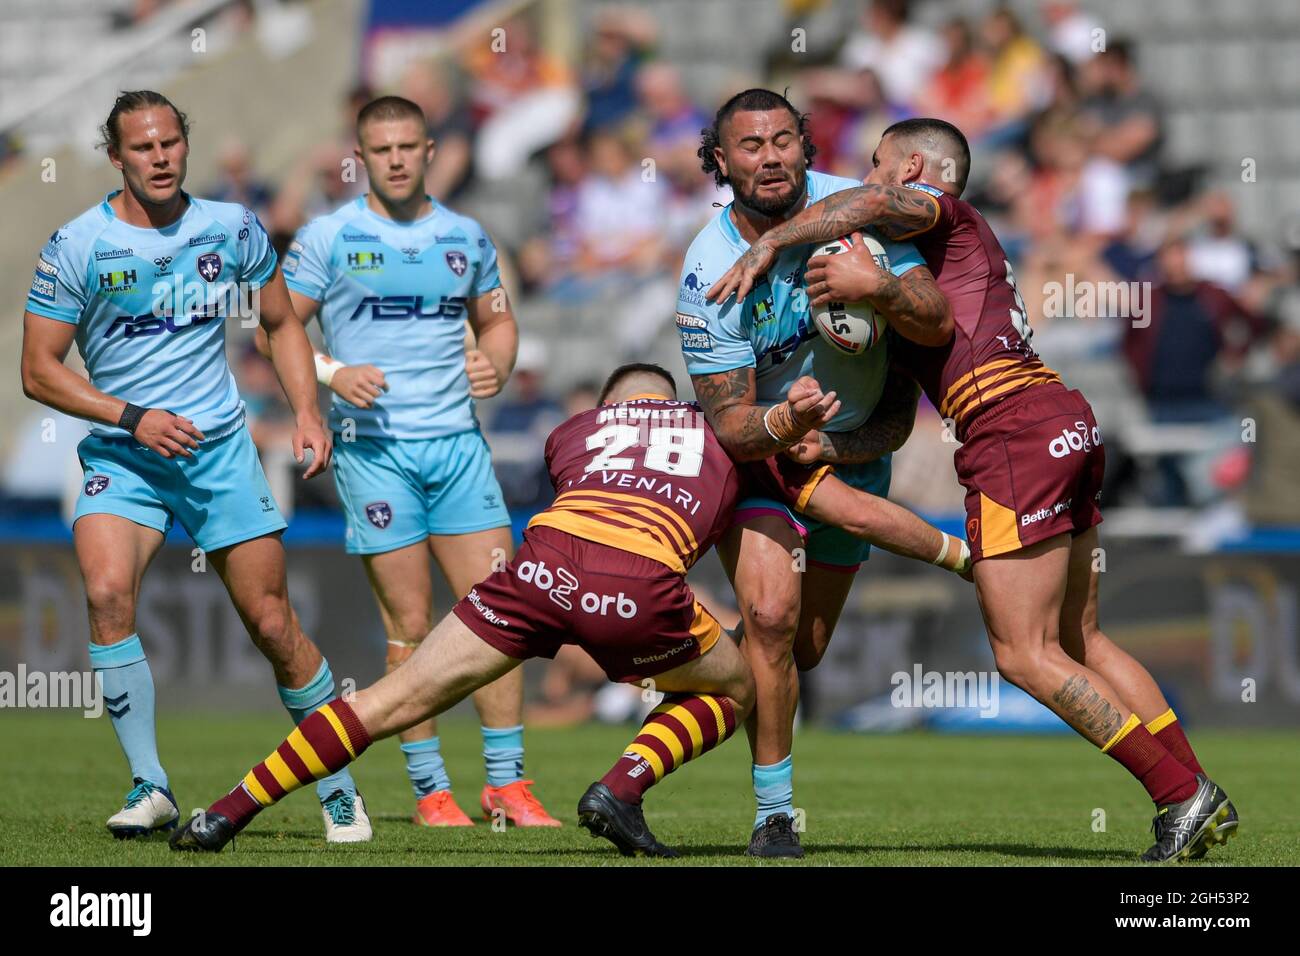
151,305
772,329
394,295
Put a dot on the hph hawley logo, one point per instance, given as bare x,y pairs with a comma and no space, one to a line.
95,484
209,266
458,262
380,515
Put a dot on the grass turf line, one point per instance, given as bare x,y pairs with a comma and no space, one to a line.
911,799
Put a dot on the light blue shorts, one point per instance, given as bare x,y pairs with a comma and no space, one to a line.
828,546
395,492
220,495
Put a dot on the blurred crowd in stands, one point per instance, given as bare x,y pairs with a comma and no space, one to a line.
1141,287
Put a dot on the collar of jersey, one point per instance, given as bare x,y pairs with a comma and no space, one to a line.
642,396
107,212
365,208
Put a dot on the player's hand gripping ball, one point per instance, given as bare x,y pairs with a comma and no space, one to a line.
851,327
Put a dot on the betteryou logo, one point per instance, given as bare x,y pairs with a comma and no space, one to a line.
75,908
939,689
76,690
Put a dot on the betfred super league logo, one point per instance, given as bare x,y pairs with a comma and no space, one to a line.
209,266
380,514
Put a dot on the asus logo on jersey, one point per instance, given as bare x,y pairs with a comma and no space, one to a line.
401,307
150,324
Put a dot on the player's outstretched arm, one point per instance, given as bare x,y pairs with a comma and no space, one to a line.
895,211
47,380
886,525
886,430
749,431
496,336
294,361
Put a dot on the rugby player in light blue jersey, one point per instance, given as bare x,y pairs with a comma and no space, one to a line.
743,357
143,284
394,276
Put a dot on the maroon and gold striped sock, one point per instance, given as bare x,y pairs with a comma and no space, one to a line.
1169,732
325,742
1165,779
682,728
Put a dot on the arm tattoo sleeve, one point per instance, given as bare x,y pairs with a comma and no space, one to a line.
885,431
893,210
728,399
1084,708
914,305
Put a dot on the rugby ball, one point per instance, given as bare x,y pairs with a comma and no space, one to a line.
851,327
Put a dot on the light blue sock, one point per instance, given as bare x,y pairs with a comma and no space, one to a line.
774,789
129,700
503,753
425,767
304,700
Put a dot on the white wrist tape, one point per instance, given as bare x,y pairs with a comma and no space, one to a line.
325,369
964,564
943,552
769,427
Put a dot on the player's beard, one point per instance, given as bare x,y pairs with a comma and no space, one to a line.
776,208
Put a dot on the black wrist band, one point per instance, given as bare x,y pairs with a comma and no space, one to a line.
131,416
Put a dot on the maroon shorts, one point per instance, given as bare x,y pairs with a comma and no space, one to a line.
634,616
1032,467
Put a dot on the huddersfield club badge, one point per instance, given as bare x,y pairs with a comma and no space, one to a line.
210,266
458,262
95,484
380,515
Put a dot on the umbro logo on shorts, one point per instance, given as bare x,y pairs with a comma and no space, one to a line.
380,514
96,483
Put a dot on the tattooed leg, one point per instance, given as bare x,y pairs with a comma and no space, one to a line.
1021,594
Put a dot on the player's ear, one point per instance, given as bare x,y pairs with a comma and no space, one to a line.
721,159
430,148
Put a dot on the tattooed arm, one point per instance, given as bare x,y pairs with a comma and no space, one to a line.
730,405
912,303
896,212
885,431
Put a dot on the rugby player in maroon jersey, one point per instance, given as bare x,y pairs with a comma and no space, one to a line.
644,490
1031,462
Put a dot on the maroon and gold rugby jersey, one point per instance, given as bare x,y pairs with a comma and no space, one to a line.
649,476
989,356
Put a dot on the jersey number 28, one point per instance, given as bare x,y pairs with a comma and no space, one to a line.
674,451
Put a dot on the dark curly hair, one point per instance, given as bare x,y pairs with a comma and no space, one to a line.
755,100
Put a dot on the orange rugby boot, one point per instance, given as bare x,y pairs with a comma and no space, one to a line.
439,809
522,808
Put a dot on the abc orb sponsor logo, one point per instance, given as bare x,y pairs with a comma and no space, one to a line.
559,583
1082,438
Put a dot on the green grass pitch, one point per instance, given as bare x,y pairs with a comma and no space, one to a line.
913,799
